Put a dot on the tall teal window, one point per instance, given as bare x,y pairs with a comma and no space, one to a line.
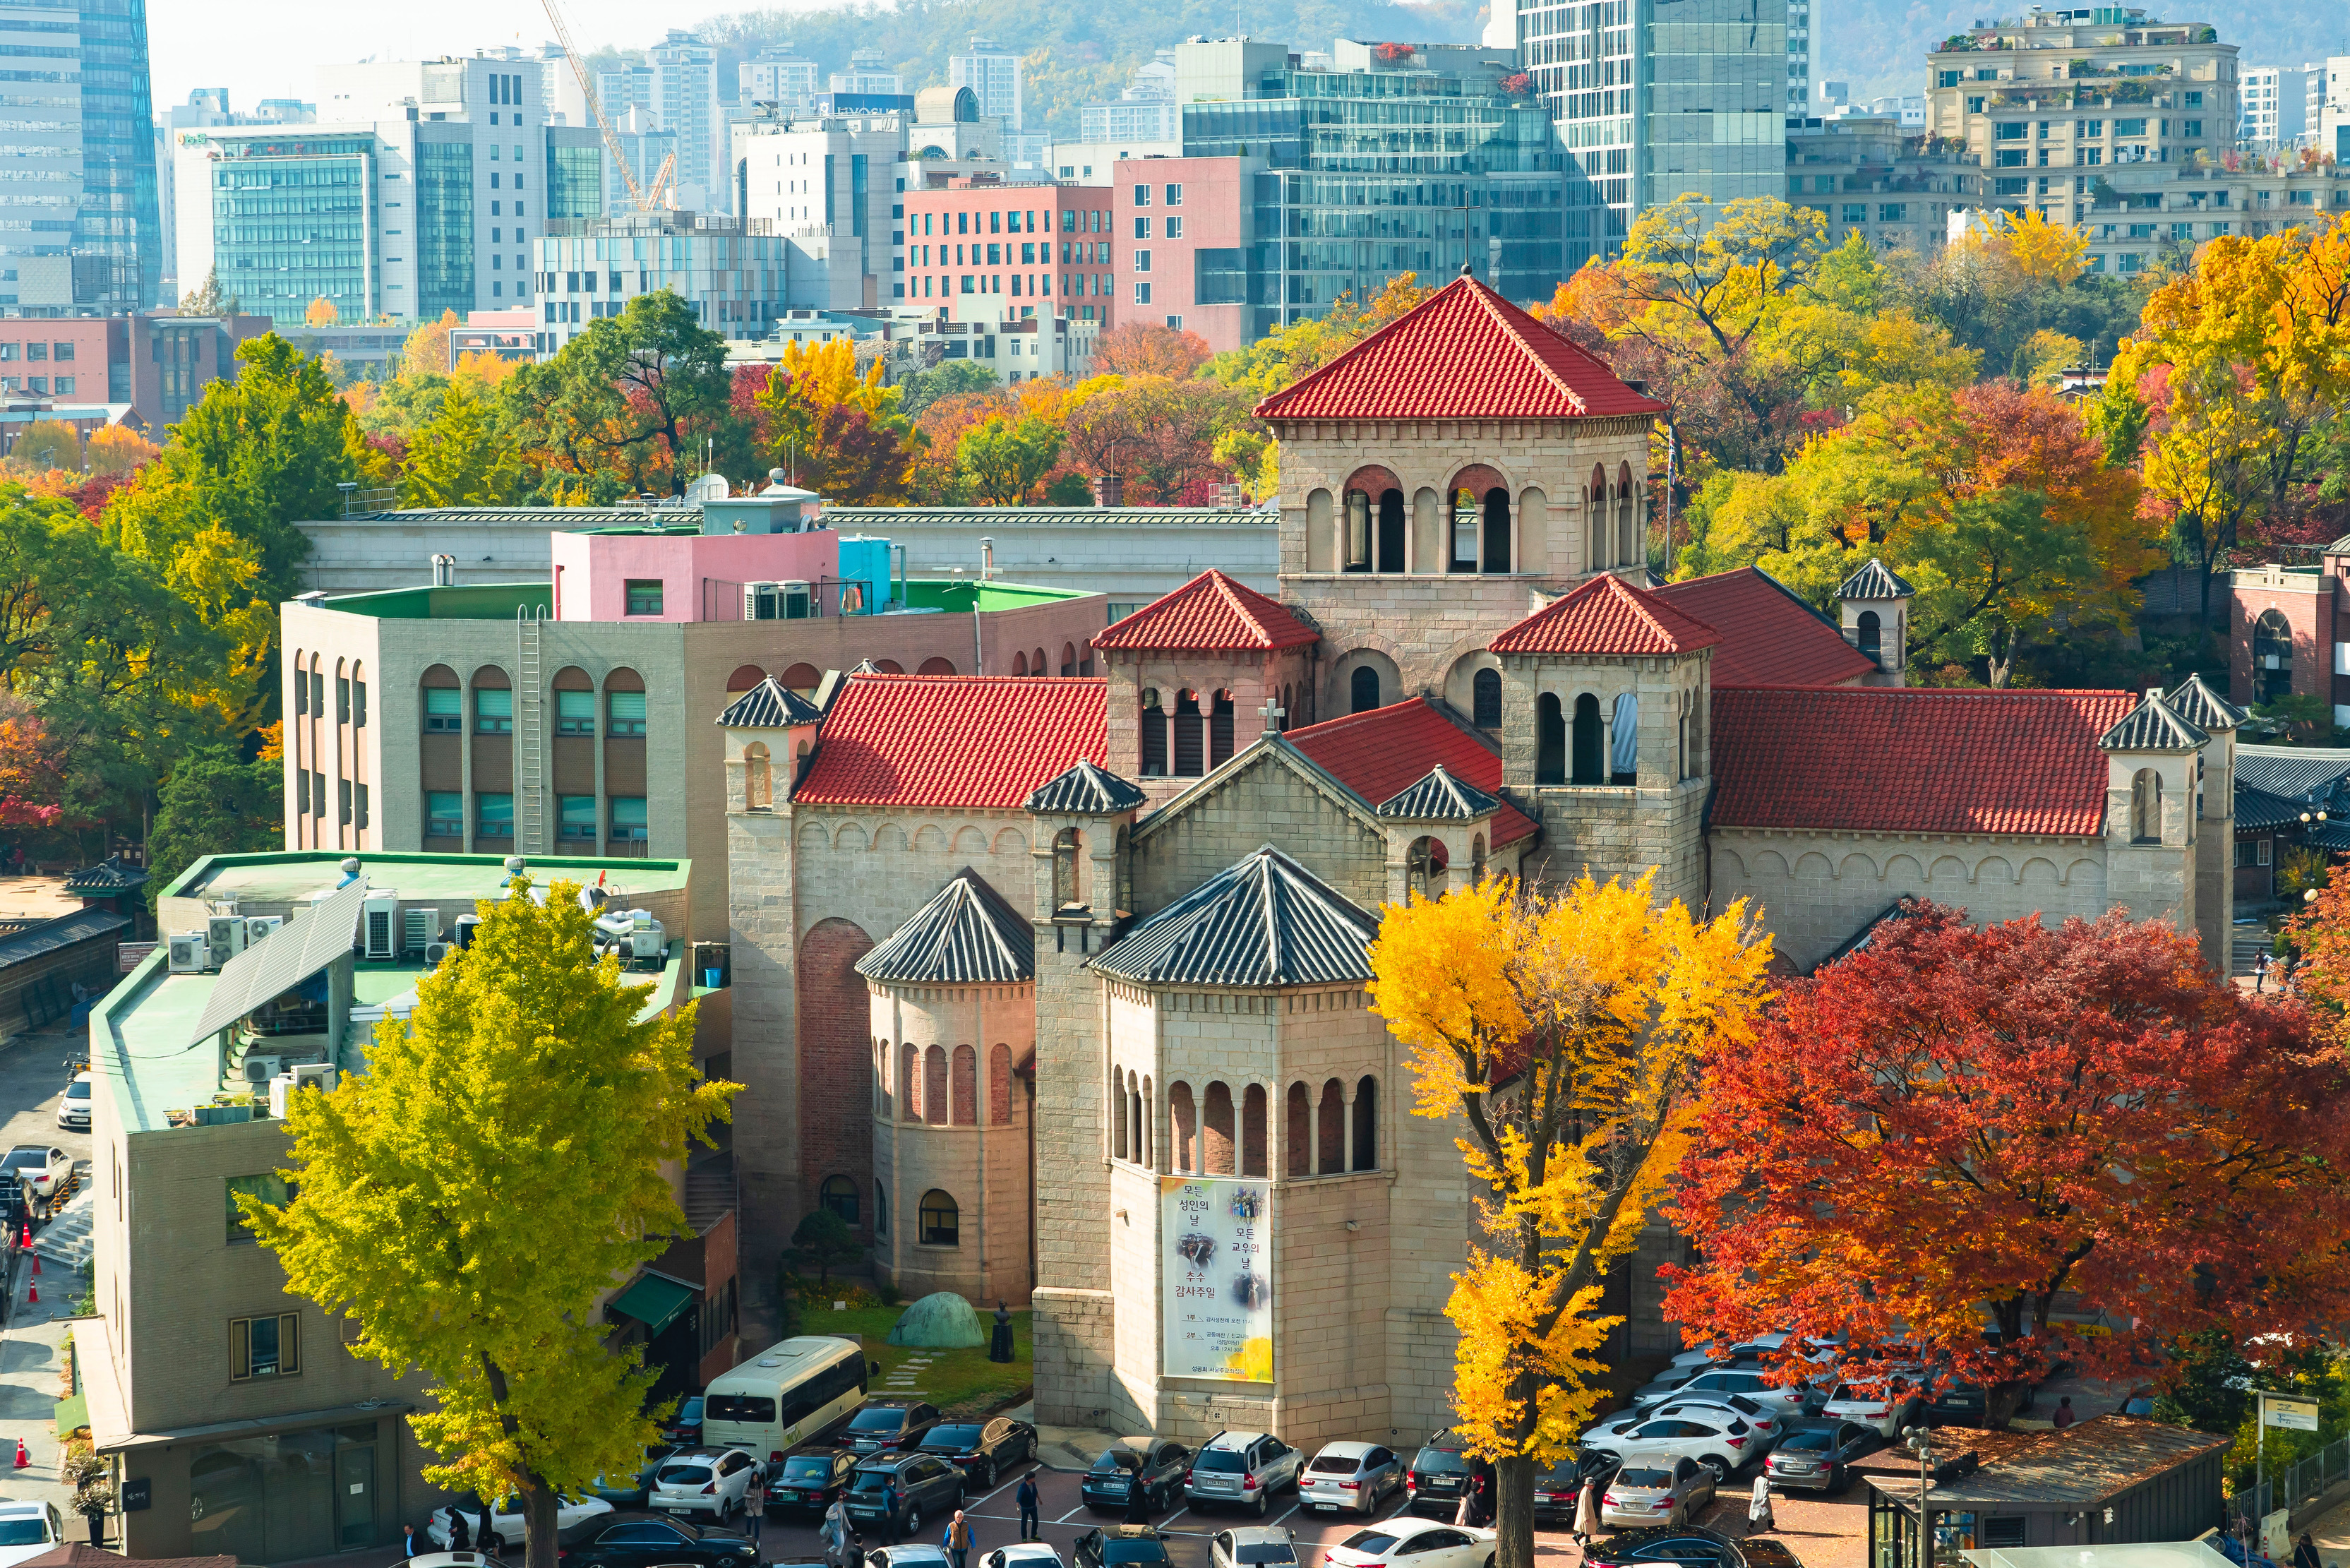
445,228
578,813
575,177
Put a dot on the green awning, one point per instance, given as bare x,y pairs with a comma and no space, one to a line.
654,1302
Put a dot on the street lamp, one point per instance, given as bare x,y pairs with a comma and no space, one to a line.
2309,896
1921,1445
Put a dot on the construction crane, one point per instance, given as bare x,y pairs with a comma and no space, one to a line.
641,198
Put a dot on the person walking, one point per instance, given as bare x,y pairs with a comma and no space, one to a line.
1137,1498
2260,973
1464,1512
1027,1500
1759,1520
835,1533
1481,1511
2304,1552
460,1538
1586,1514
408,1543
958,1540
754,1504
2064,1416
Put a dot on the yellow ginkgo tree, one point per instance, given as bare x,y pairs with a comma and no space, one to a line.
1569,1033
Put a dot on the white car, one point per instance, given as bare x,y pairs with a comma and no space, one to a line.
714,1482
44,1170
1884,1406
1788,1400
73,1110
507,1525
1413,1543
1721,1438
1819,1348
452,1560
1019,1554
28,1530
1665,1489
1253,1546
1768,1424
1353,1478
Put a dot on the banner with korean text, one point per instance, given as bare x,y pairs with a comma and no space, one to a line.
1217,1231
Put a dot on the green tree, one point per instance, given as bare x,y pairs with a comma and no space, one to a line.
1993,576
460,458
944,380
823,1242
1005,458
638,393
46,444
207,299
495,1171
214,804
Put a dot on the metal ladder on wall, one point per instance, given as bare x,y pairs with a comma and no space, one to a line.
530,733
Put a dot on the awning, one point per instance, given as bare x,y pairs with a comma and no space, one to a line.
654,1302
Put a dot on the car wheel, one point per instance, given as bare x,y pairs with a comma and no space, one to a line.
1264,1501
727,1562
987,1476
1718,1466
913,1521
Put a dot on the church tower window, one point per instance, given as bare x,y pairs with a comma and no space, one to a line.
1363,689
1191,736
1549,741
1220,731
1485,691
1154,736
1589,758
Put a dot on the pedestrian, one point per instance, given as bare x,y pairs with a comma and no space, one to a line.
408,1547
2260,974
835,1533
483,1533
1465,1512
958,1540
1481,1512
1586,1514
754,1503
2304,1552
1137,1496
1759,1520
460,1537
2064,1416
1027,1500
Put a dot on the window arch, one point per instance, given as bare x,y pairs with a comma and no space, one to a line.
1069,658
1288,711
758,779
444,701
888,667
624,702
1330,1133
1872,635
2146,806
745,678
1191,736
1037,665
1497,530
940,1221
1630,550
1589,754
1485,686
1363,689
1477,860
2273,656
1428,860
1367,1124
1069,869
803,678
1550,741
966,1087
1019,664
1624,737
909,1088
1391,530
492,701
1297,1131
934,1085
1219,730
839,1195
1216,1124
999,1084
1253,1130
1154,734
881,1210
937,666
1596,508
1183,1118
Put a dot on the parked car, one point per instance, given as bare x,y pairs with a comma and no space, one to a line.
1765,1388
633,1490
1251,1545
1157,1464
1558,1490
1693,1548
1439,1473
28,1530
1414,1543
811,1479
1957,1403
73,1110
1673,1379
1121,1546
1022,1554
1721,1438
1817,1454
897,1491
1890,1407
1818,1347
1661,1490
644,1539
451,1560
715,1481
505,1534
981,1450
1767,1422
685,1426
881,1426
912,1554
1355,1477
44,1170
1244,1469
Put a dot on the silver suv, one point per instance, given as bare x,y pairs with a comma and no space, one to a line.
1243,1469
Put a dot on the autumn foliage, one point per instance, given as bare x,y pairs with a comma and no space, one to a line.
1960,1126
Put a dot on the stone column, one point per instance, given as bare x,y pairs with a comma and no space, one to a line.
1276,1123
1345,1127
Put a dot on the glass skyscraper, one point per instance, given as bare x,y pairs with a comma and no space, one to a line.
290,223
80,219
118,257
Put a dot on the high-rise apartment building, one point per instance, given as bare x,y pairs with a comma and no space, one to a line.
2271,105
830,186
867,74
1145,113
2325,104
780,77
1799,57
646,146
677,83
993,74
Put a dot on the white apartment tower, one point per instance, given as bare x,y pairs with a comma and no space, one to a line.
993,74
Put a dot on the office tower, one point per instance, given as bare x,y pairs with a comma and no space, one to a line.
993,75
825,185
205,107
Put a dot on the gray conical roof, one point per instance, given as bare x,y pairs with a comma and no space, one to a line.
1874,580
1086,791
1267,921
769,706
2151,726
1439,797
968,935
2200,706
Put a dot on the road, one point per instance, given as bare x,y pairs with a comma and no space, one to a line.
32,1347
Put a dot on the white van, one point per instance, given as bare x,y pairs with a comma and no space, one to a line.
785,1395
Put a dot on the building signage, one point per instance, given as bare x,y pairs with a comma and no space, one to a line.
138,1493
1217,1236
2289,1415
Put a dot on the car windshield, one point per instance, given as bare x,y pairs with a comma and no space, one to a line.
954,1437
1335,1465
1564,1473
1851,1394
1681,1549
683,1475
1128,1551
690,1410
807,1467
1440,1461
1646,1479
1263,1551
1117,1459
1371,1541
871,1480
877,1419
23,1532
78,1089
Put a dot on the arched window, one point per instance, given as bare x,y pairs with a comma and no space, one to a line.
881,1210
1461,547
1485,699
1358,536
1363,689
1118,1133
934,1085
1477,860
1019,664
1550,741
1136,1141
839,1195
1330,1131
1068,869
1036,665
1624,737
2273,656
745,678
888,667
1391,530
1428,860
937,666
1220,731
758,779
909,1088
1069,658
1183,1114
1367,1124
1497,530
1297,1132
1191,736
1216,1122
1872,635
1288,711
1630,549
444,708
966,1087
1601,553
2146,807
1590,761
803,678
940,1222
1154,736
1253,1130
999,1085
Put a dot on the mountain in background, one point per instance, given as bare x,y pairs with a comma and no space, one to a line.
1879,46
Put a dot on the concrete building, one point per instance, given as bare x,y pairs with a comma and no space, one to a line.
205,106
2272,111
677,82
730,270
993,75
1869,174
155,363
1145,111
2288,631
223,1396
961,253
830,186
1096,162
781,78
867,75
1189,229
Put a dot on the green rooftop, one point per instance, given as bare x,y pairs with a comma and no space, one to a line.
504,601
281,876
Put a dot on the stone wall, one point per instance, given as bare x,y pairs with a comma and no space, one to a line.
1268,800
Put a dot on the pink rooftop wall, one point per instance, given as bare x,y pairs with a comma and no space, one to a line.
592,571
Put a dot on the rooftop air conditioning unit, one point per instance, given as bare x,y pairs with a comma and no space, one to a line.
763,601
464,926
257,927
305,1075
799,601
261,1069
378,917
436,954
188,953
224,934
420,929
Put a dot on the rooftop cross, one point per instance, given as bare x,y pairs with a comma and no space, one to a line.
1273,714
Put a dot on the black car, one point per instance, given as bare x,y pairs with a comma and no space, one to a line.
1559,1490
809,1480
1160,1463
1441,1472
636,1489
642,1540
1818,1454
881,1426
685,1427
1121,1546
981,1450
1665,1544
895,1493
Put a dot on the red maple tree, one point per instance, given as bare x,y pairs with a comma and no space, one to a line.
1960,1127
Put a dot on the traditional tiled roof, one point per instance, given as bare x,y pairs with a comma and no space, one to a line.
40,937
2151,726
1874,580
1087,790
2084,1465
1381,754
769,706
2200,706
1769,637
968,935
109,876
1439,797
2296,772
1905,760
1267,921
1607,615
976,741
1465,354
1211,613
2257,809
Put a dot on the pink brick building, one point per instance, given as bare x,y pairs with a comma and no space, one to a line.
1187,224
984,251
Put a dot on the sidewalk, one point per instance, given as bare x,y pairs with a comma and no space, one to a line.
32,1362
1066,1449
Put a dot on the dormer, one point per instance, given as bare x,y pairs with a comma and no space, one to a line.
1082,816
771,734
2153,759
1438,832
1874,604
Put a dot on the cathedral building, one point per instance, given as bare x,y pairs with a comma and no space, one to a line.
1056,987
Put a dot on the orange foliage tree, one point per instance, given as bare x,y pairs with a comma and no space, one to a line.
1149,348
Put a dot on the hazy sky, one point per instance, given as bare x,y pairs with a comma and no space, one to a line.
271,48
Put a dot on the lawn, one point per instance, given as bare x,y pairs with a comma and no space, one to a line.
959,1382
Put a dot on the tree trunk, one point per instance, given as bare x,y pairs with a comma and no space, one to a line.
1514,1513
538,1517
2001,1400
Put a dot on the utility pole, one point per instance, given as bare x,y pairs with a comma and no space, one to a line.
1919,1444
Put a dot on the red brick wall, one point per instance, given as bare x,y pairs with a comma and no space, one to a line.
966,1087
2308,614
836,1052
999,1084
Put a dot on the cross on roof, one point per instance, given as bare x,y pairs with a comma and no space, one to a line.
1273,714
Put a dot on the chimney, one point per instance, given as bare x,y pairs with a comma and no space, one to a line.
444,571
986,559
1110,490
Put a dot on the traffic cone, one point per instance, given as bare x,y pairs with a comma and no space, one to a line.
24,1460
32,1296
36,1262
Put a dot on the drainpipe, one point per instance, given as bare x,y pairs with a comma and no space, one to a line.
978,654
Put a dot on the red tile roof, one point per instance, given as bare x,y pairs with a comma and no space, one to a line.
1769,637
1903,759
1380,753
1211,613
1607,615
1466,354
981,741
